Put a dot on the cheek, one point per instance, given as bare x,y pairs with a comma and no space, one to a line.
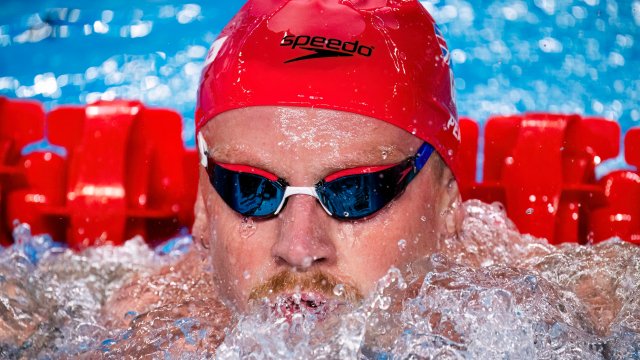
238,250
366,250
398,236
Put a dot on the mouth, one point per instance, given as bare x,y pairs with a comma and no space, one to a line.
293,295
307,305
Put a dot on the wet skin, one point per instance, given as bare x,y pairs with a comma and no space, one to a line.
304,145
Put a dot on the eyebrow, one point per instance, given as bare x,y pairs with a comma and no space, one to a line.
228,153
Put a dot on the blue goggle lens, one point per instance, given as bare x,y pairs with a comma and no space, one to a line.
249,194
357,196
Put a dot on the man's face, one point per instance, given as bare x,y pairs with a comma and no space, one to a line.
302,249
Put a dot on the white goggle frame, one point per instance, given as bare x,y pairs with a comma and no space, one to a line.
289,190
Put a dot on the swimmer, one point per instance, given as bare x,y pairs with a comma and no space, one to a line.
327,132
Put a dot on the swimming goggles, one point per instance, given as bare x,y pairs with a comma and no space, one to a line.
349,194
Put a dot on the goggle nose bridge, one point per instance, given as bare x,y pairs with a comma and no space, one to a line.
300,190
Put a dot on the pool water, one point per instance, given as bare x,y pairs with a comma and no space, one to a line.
492,293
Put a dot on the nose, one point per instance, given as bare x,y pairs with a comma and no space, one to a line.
304,235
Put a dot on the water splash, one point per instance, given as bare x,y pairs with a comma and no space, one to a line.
511,296
176,247
51,297
489,293
32,247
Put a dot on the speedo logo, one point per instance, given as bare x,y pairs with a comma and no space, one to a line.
323,47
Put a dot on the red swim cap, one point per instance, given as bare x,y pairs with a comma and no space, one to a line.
385,59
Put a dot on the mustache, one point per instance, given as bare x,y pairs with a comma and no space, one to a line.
316,281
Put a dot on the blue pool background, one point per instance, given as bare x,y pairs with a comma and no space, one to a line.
509,56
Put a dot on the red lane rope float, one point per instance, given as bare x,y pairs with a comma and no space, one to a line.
621,216
467,155
124,176
542,167
21,123
127,173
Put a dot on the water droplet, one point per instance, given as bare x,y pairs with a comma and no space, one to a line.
297,297
247,227
438,260
385,303
423,218
532,281
338,290
105,346
345,214
498,206
307,261
130,315
246,275
529,211
402,244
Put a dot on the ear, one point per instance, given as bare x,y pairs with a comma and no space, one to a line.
199,229
451,203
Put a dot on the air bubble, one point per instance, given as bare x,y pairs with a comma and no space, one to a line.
297,297
384,303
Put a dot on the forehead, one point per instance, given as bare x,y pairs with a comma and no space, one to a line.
299,126
263,136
